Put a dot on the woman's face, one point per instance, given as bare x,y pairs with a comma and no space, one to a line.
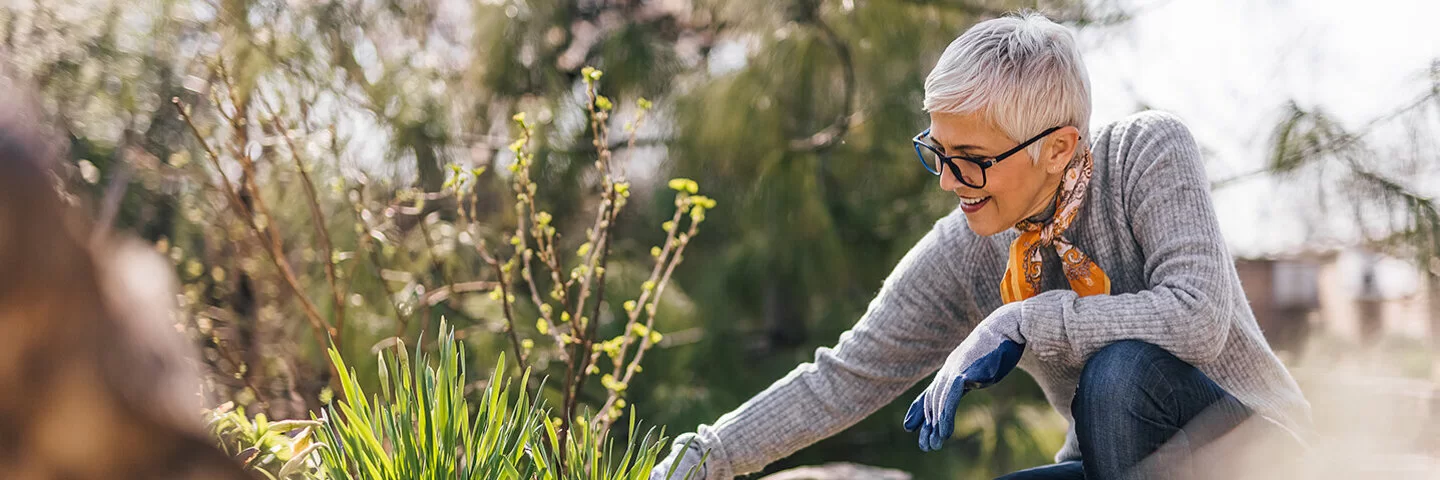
1017,187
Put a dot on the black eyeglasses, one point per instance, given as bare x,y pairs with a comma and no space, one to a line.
972,167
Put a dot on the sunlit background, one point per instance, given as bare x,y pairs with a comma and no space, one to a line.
1318,121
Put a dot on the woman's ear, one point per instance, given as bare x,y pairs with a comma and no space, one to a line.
1060,149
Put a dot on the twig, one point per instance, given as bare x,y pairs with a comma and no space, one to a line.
435,258
275,249
373,256
588,343
523,191
1227,181
629,145
980,11
241,370
650,307
831,135
1344,140
502,282
661,265
525,272
444,293
312,198
575,374
659,290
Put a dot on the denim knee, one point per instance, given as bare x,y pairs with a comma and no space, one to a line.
1133,399
1126,378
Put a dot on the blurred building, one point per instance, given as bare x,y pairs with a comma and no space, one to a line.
1335,306
1352,294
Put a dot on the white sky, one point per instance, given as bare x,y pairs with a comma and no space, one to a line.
1227,67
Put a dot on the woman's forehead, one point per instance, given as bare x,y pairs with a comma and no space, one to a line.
972,131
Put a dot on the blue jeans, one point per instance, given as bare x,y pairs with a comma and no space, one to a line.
1132,400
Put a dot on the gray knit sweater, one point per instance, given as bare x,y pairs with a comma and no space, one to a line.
1148,222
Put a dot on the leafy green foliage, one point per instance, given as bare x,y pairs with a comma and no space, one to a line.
1346,172
277,450
420,425
590,453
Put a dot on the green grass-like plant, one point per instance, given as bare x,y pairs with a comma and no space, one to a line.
590,452
421,427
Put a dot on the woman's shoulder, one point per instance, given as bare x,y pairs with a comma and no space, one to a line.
1148,124
1126,148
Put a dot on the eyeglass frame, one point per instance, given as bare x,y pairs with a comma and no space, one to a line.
983,162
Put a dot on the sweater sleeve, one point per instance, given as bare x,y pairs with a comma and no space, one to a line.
1189,306
920,314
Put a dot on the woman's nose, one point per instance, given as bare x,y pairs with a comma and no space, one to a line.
948,182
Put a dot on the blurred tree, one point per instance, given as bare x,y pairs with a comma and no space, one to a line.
1373,185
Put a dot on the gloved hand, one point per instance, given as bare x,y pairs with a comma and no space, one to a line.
683,462
988,354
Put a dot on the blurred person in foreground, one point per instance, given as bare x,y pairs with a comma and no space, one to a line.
1093,261
95,383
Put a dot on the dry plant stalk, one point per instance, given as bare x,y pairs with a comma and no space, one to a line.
245,201
260,224
570,309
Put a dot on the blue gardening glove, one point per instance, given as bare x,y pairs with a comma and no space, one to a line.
687,464
985,357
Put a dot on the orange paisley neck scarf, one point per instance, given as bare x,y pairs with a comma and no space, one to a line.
1022,274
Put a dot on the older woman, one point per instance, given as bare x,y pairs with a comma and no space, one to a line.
1094,263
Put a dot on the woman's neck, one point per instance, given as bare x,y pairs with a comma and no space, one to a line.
1042,212
1046,209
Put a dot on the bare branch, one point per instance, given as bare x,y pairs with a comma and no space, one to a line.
830,136
269,237
312,199
373,257
502,282
434,297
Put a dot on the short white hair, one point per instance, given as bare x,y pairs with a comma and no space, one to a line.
1022,70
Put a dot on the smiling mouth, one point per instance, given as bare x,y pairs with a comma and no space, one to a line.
972,205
